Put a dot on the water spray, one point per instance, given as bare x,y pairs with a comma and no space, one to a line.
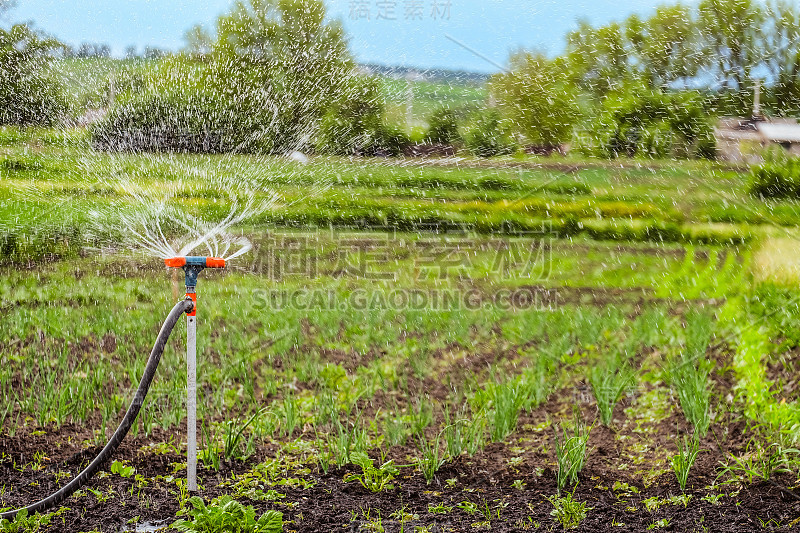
192,266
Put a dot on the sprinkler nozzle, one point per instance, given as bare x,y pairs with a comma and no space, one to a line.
202,262
192,266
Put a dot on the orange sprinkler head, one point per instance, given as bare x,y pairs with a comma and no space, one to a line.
215,262
192,265
175,262
194,261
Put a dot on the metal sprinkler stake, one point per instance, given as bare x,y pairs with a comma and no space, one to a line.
192,266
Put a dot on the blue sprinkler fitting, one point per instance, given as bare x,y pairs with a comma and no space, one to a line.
192,266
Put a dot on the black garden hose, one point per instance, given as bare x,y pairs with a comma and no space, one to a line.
67,490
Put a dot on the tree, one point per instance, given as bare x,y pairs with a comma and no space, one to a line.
598,59
287,50
92,50
199,42
154,52
732,32
535,100
665,45
28,96
787,88
264,85
782,39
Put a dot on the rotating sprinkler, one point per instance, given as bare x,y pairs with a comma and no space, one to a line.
192,266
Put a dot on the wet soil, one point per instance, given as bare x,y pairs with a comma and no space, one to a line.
626,481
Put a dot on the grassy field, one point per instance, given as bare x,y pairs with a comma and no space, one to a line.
701,203
632,362
427,97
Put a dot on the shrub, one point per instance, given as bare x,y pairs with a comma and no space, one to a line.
196,115
485,135
274,70
355,123
651,124
443,126
776,178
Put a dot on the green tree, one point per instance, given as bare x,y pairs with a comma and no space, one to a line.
199,42
535,99
287,51
598,59
732,32
783,60
28,95
665,45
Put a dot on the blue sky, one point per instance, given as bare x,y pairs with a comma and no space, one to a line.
420,33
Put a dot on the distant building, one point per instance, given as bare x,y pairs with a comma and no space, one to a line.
743,139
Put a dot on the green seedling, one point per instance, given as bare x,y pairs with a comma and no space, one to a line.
403,515
689,374
760,463
232,439
713,499
683,461
24,523
569,512
609,383
570,450
371,478
506,404
439,508
468,507
225,514
122,470
431,459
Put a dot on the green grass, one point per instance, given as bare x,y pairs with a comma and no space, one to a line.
570,451
682,462
610,380
349,373
600,201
